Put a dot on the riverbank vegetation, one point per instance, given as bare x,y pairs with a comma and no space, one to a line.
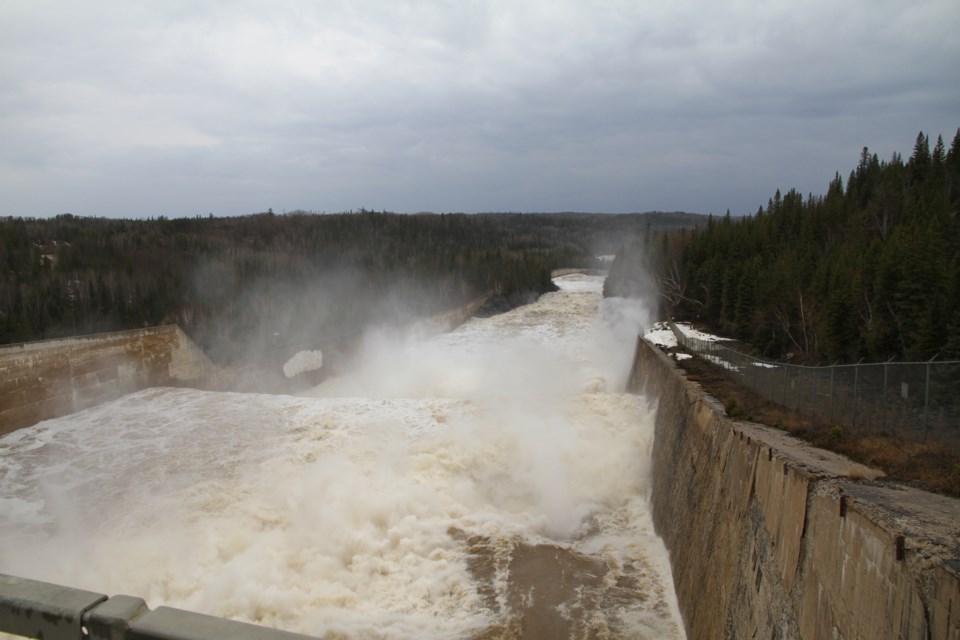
870,270
239,285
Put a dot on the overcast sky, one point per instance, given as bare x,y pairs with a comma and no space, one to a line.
189,107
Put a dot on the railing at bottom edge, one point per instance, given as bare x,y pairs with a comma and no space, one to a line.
35,609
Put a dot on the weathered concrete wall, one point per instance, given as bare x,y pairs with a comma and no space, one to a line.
451,319
772,538
51,378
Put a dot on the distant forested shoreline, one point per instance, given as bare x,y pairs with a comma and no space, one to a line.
237,285
870,270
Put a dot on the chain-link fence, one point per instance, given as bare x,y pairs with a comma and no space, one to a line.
916,400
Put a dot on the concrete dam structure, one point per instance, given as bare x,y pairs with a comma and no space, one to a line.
491,482
485,483
772,538
47,379
51,378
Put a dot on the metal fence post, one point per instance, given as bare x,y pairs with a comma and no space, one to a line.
926,396
799,386
832,368
816,376
856,390
785,367
883,397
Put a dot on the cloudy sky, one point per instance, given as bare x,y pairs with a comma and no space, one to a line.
185,107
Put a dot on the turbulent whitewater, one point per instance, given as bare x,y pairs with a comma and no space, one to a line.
491,482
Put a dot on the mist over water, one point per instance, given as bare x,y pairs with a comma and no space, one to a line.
487,483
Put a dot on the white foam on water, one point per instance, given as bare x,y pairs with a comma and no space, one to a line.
303,361
332,514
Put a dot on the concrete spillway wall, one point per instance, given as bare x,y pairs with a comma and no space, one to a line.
771,538
451,319
51,378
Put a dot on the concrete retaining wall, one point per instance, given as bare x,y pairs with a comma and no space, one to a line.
771,538
51,378
450,319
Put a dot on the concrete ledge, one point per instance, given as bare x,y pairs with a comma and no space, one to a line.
35,609
772,538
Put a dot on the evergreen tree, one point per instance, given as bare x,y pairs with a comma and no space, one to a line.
868,270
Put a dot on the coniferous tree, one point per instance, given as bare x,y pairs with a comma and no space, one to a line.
867,270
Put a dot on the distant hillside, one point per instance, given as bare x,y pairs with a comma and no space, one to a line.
600,233
869,270
240,285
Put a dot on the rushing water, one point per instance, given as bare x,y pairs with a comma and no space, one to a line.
487,483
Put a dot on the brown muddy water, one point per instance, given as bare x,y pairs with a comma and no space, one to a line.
488,483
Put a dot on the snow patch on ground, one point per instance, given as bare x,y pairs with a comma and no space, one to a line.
690,332
661,335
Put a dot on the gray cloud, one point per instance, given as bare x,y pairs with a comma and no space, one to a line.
122,108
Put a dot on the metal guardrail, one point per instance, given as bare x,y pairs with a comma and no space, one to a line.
916,400
35,609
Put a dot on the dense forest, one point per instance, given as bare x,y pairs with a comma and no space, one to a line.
239,285
870,270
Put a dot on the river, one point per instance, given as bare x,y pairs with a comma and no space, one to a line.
491,482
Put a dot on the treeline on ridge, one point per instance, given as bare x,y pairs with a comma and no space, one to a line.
870,270
240,285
